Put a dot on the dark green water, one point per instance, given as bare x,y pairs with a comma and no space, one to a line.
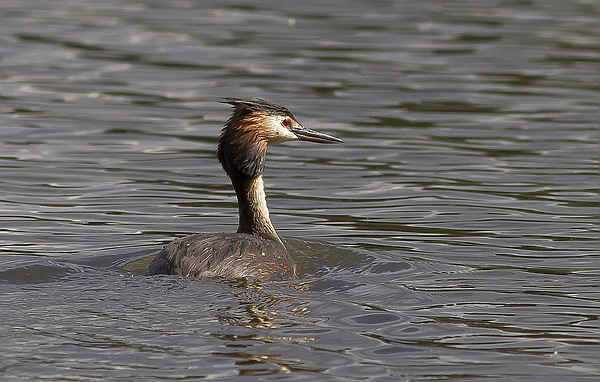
454,236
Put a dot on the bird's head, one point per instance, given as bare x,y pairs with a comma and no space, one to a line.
253,125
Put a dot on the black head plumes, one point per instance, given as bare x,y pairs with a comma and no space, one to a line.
256,105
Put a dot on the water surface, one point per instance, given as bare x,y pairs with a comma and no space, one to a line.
453,236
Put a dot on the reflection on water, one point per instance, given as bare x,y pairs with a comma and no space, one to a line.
454,235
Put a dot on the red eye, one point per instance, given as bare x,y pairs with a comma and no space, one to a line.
286,122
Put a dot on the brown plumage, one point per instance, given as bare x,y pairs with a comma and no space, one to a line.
255,250
228,255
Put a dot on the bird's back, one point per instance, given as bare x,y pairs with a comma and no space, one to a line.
227,255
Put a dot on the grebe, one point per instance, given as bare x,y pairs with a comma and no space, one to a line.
255,250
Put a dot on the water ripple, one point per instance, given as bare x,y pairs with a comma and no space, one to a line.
454,235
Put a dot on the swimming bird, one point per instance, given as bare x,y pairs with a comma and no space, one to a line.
255,250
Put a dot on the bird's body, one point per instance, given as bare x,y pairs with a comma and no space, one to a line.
229,255
255,250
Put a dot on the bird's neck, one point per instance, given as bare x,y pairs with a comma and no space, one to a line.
242,154
253,210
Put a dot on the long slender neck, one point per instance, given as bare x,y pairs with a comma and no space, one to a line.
242,150
253,210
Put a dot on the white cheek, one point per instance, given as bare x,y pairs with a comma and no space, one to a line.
279,133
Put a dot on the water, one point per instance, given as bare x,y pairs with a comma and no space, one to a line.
453,236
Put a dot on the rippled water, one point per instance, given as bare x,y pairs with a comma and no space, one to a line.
453,236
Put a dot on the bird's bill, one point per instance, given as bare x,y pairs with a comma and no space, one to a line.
309,135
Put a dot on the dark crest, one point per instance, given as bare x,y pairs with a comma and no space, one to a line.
258,105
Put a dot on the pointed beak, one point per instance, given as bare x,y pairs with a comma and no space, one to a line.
309,135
